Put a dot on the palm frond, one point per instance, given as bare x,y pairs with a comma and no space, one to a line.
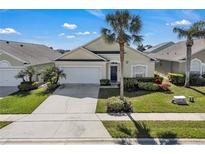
135,24
180,32
137,39
108,35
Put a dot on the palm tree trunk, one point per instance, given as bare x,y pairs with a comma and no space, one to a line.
188,63
122,71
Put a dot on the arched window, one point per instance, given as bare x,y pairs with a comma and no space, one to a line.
139,71
196,66
4,63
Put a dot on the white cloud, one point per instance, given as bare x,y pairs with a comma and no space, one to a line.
61,34
70,26
85,33
8,31
182,22
97,13
70,36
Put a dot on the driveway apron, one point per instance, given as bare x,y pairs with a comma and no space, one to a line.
69,113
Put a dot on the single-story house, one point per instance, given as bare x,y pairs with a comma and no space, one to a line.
99,60
173,58
15,56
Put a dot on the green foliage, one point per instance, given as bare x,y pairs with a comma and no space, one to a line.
51,86
26,73
130,83
52,74
104,82
150,86
203,75
27,85
176,78
196,80
117,105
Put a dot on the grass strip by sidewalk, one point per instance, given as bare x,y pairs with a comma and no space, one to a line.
23,102
156,129
4,123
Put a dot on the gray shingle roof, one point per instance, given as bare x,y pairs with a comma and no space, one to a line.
158,47
177,51
29,53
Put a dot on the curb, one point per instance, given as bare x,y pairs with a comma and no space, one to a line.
119,141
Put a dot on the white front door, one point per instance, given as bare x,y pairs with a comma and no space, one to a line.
82,75
7,77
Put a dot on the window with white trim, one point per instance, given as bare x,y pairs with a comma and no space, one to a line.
139,71
195,66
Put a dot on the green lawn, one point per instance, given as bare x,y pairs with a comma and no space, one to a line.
144,101
22,102
4,123
152,129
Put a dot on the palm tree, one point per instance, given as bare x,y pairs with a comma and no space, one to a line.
28,72
52,74
196,30
124,29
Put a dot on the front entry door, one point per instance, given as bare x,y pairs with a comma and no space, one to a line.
113,73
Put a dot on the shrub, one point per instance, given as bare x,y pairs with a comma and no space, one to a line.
51,86
150,86
203,75
104,82
177,79
197,81
27,85
130,83
158,79
117,105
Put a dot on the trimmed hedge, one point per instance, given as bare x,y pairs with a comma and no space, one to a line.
176,78
179,79
150,86
26,86
104,82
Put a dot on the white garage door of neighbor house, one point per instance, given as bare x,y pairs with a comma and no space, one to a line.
82,74
7,77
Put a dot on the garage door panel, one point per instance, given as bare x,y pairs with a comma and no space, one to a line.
7,77
82,74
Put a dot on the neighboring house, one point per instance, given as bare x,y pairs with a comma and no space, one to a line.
99,60
173,58
158,47
15,56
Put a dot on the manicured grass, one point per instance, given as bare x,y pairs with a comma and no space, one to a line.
159,129
144,101
22,102
4,123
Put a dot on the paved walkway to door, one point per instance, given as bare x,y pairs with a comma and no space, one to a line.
67,114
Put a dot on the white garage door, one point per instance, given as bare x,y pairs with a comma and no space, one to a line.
7,77
82,74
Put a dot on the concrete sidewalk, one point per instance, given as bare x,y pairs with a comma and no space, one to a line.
103,116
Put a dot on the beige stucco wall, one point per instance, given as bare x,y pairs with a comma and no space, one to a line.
10,59
133,58
80,54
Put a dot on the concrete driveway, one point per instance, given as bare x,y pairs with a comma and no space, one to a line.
67,114
75,98
5,91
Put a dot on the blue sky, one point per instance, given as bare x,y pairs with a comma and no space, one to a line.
67,29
